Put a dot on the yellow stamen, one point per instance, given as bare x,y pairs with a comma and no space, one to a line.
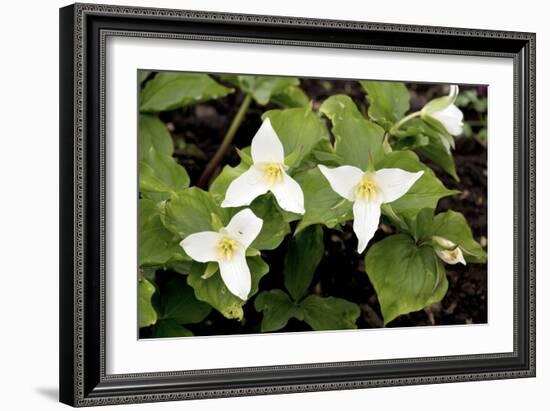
273,173
226,247
366,189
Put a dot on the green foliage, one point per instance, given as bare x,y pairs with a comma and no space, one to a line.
388,101
168,91
178,303
322,204
157,245
301,260
426,192
299,129
407,277
357,140
319,313
214,292
160,173
170,328
153,134
281,90
147,313
404,268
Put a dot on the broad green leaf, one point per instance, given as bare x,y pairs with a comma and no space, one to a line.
147,313
160,173
388,101
170,328
292,96
157,245
262,88
190,212
168,91
453,226
301,260
322,204
277,309
214,292
357,140
153,133
425,193
299,129
178,302
440,155
329,313
421,226
406,277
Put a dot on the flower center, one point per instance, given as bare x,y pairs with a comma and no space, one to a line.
366,189
273,173
227,247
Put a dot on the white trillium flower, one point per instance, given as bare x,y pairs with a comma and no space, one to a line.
227,247
267,173
448,251
368,191
449,115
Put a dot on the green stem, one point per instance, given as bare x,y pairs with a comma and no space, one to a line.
400,123
226,143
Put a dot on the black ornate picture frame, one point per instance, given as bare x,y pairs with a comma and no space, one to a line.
83,32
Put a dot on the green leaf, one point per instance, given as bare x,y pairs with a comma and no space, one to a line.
178,303
142,75
170,328
157,245
435,144
322,204
153,133
301,260
292,96
168,91
147,313
274,227
190,212
261,88
406,277
329,313
277,309
214,292
357,140
388,101
299,129
160,173
453,226
425,193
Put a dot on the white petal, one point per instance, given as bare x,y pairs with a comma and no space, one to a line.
266,146
203,246
451,117
394,182
451,256
244,227
245,188
343,179
236,275
289,195
366,216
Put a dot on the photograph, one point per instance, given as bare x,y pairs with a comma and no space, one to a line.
292,204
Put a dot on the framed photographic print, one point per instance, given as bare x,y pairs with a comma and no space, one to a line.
261,204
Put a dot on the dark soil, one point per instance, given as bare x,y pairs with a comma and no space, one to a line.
341,273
